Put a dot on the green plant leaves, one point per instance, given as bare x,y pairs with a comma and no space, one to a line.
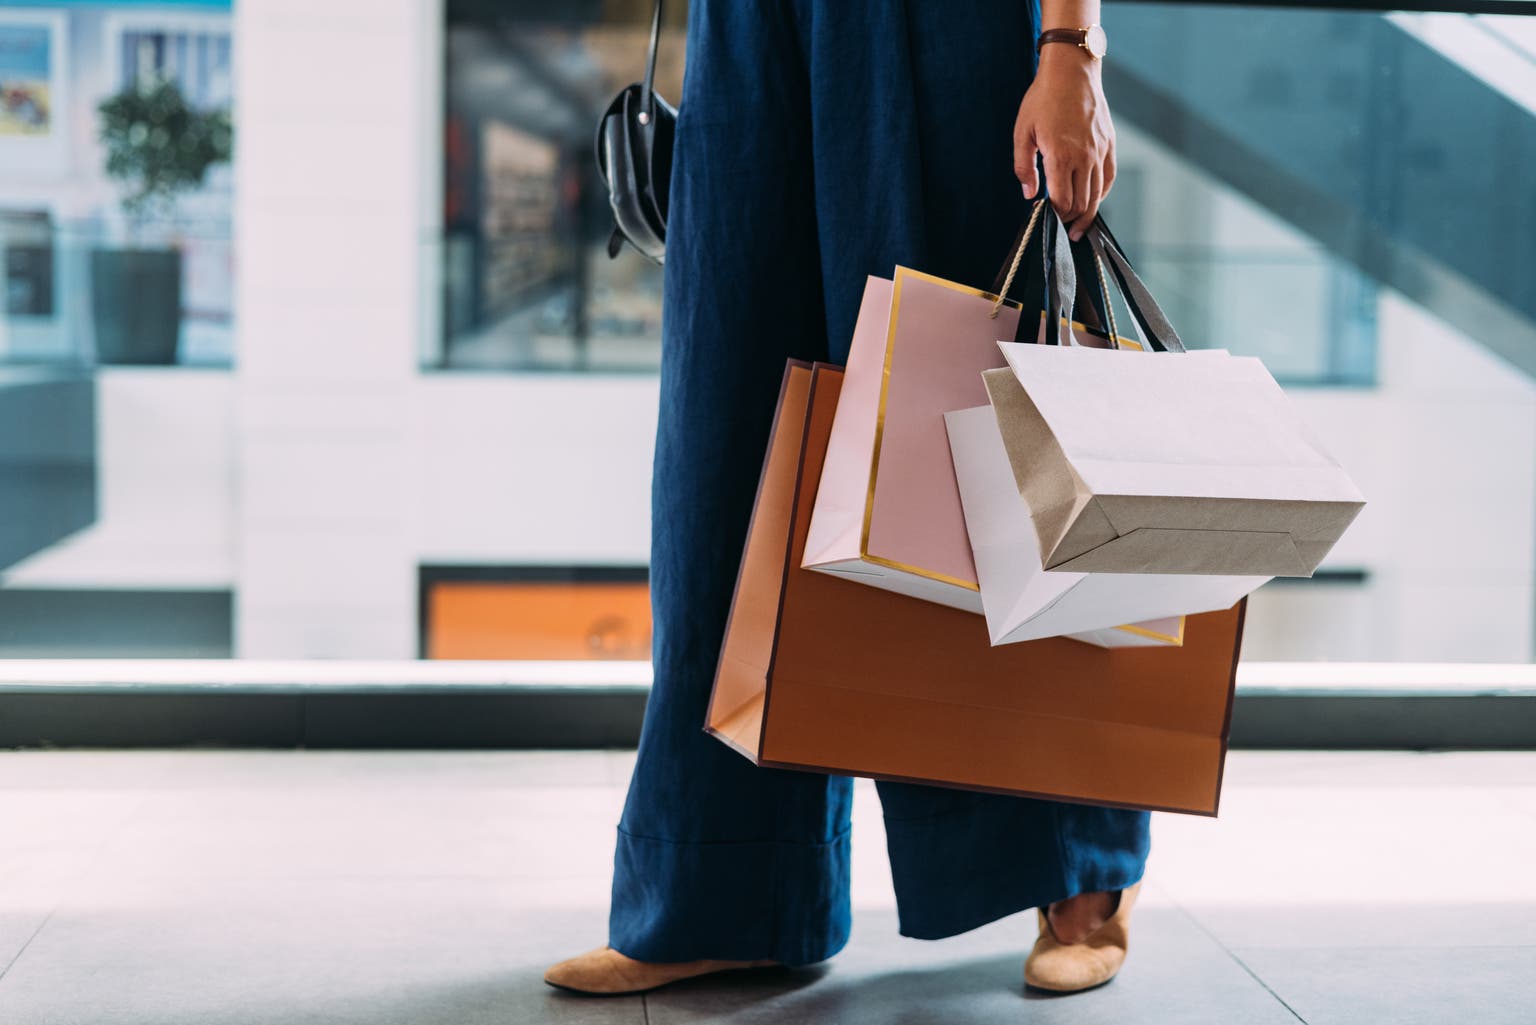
159,146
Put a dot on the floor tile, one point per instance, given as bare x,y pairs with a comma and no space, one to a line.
48,826
871,869
1358,924
23,908
1305,866
334,830
49,840
620,765
370,952
1520,798
1371,986
100,770
1380,768
1177,975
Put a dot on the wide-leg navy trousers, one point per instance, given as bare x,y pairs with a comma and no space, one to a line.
819,141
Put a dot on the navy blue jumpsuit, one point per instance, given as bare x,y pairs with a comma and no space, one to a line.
818,142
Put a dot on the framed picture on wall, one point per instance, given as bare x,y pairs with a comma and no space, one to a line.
34,85
26,86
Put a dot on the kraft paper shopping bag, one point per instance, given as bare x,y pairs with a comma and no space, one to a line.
1168,463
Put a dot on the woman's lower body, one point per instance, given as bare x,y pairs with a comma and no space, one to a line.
819,142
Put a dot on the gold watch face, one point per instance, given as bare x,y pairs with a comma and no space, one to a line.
1096,42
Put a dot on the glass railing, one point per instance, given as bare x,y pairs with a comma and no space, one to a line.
1397,144
596,314
85,295
525,283
1233,274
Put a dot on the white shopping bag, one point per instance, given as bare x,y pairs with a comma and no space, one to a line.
1021,600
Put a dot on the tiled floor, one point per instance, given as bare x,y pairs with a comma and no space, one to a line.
212,888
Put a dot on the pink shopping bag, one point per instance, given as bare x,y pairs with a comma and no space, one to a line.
887,511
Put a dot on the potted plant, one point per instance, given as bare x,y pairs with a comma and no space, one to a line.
158,147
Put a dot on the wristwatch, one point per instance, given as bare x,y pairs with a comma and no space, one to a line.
1090,38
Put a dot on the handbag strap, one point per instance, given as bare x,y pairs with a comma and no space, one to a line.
647,103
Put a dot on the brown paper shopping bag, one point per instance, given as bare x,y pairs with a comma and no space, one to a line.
822,674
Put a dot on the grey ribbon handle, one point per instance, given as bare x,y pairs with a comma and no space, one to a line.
1060,281
1154,323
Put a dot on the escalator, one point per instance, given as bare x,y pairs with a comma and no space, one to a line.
1384,148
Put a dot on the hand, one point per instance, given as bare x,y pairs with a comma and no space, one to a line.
1065,117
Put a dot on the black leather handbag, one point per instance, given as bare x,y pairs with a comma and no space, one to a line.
634,157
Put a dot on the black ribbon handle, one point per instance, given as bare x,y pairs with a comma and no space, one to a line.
1154,323
1057,280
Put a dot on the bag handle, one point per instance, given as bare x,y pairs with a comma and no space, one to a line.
1060,287
1004,280
1060,274
647,103
1061,282
1154,323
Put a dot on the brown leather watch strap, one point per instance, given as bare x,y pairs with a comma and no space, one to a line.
1075,36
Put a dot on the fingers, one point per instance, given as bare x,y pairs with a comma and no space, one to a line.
1082,195
1025,153
1076,188
1059,178
1095,195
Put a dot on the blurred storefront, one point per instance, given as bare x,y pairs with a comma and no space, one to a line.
407,406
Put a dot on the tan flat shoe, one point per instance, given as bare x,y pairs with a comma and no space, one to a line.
1058,967
606,972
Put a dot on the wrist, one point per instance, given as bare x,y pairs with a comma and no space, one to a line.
1060,59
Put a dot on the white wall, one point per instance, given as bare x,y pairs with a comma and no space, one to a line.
535,469
331,112
1445,451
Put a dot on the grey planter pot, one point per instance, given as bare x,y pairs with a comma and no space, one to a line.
136,305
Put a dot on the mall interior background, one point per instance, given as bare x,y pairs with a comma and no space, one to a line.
408,407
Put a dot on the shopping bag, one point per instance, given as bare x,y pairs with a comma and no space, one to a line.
836,543
1167,463
887,510
819,673
1022,600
